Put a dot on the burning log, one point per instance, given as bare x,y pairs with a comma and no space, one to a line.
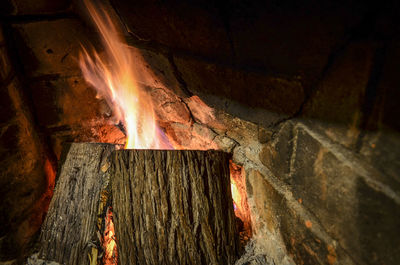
169,207
69,233
173,207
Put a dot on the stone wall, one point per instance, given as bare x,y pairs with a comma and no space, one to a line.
27,175
303,96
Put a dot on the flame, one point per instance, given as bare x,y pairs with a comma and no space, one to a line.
236,197
110,246
116,76
239,197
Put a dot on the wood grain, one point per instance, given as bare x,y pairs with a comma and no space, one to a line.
70,232
173,207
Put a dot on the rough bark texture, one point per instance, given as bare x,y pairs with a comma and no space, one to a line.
69,233
173,207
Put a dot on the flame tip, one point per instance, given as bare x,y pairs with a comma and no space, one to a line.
113,75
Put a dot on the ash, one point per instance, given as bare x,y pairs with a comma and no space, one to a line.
34,260
250,257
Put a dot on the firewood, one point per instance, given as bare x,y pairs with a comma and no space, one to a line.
173,207
71,231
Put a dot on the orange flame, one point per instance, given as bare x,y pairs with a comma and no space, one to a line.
109,243
239,197
115,77
236,196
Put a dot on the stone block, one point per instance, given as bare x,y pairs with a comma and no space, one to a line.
201,112
265,199
225,143
337,105
185,136
288,38
243,132
162,70
50,47
330,190
380,142
378,222
65,101
304,245
26,7
276,219
326,187
336,194
250,89
276,154
264,135
168,107
196,28
23,179
381,149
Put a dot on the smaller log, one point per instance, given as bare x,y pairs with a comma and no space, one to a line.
71,232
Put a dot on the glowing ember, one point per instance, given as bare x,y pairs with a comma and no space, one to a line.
235,195
115,77
239,196
109,244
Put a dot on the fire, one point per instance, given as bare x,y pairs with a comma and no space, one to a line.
116,77
239,197
109,244
236,197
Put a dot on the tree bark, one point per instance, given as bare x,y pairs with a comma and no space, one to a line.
70,231
173,207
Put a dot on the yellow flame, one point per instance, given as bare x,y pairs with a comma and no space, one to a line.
110,246
235,194
115,77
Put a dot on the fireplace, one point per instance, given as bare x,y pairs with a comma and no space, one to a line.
302,97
